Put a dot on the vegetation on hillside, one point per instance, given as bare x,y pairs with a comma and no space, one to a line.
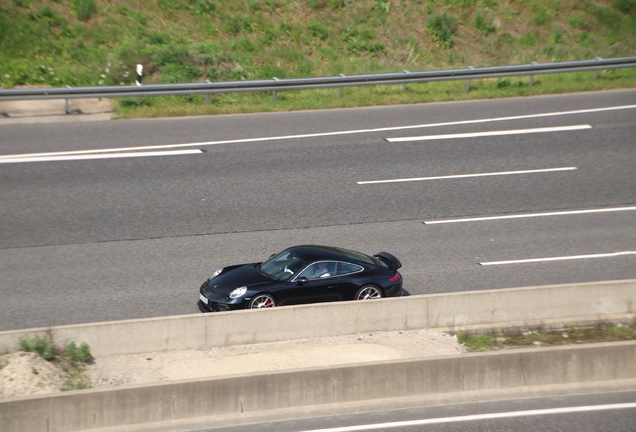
99,42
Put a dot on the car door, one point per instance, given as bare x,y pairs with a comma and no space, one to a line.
316,283
349,282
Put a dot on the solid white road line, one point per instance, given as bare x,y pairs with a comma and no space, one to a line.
491,133
478,417
324,134
467,175
99,156
563,258
531,215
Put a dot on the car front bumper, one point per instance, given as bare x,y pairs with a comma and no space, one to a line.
207,305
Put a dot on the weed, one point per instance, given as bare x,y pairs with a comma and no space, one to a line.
81,354
557,36
337,4
39,344
490,4
475,342
622,332
201,7
72,360
328,53
541,16
382,5
317,30
244,44
84,9
578,20
483,25
48,16
484,342
625,6
76,381
441,28
134,15
607,18
527,40
503,82
23,3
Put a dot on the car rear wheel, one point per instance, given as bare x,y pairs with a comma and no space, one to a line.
262,301
368,292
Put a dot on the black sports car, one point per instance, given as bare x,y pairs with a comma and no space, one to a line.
302,274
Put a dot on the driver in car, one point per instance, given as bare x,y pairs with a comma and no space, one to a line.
321,271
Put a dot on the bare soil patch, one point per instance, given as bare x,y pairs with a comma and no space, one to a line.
28,374
266,357
18,376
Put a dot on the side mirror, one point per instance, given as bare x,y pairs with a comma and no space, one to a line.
302,280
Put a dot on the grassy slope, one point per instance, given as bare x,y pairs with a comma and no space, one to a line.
46,42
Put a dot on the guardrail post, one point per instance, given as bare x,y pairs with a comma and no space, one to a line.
404,84
468,81
66,110
274,92
532,76
340,88
596,71
207,94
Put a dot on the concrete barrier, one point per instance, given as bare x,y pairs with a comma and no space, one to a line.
238,399
533,307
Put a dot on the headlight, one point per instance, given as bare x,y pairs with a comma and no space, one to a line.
216,273
238,292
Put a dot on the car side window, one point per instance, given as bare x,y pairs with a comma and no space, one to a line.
318,270
347,268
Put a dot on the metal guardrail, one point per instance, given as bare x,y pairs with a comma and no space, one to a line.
273,85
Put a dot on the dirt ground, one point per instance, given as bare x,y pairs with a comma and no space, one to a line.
27,374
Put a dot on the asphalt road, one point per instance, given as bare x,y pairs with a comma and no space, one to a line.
130,237
613,411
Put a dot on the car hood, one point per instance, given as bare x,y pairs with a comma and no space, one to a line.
235,277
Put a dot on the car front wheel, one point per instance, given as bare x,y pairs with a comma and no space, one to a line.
368,292
262,301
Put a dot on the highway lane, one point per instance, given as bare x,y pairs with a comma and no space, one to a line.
123,238
312,181
596,412
32,138
55,285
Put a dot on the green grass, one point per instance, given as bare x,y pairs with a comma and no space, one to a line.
573,335
90,43
374,96
40,345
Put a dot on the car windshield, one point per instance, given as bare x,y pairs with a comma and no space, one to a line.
282,266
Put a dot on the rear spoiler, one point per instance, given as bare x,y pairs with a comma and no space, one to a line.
389,259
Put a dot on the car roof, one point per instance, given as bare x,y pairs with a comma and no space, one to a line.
311,253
